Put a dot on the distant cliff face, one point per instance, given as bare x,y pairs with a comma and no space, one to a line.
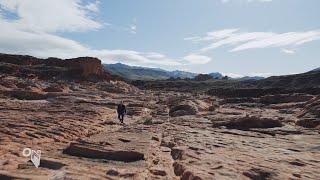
87,66
82,68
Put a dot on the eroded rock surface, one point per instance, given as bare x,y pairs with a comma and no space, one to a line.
75,126
310,115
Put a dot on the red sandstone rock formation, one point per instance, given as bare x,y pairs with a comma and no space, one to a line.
82,68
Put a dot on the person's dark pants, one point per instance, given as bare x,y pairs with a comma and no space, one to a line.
121,117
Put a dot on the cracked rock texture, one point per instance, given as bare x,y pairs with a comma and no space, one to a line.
166,135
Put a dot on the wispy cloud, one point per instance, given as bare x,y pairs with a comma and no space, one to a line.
136,58
240,41
133,27
197,59
93,6
288,51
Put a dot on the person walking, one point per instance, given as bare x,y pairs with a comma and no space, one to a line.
121,110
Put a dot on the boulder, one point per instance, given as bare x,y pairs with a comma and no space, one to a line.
309,123
158,172
51,164
178,168
213,107
183,110
112,172
177,153
259,173
202,105
182,105
55,88
89,151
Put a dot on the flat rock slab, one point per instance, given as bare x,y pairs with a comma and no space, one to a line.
121,145
99,152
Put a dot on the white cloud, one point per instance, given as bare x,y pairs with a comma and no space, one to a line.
253,40
154,55
94,6
197,59
38,44
193,38
133,29
34,30
133,26
50,16
216,35
288,51
235,75
48,45
135,58
260,74
130,28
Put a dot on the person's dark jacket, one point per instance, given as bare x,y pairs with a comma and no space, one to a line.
121,109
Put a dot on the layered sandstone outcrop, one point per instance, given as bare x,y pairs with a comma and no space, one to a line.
309,117
82,68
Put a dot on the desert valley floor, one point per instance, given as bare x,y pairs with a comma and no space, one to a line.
67,110
166,135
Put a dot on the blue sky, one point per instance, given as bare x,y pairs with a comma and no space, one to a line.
235,37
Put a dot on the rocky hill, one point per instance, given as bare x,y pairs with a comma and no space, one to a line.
297,81
83,68
301,83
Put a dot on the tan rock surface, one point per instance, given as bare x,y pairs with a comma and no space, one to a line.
80,137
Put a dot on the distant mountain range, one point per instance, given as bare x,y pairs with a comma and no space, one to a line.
144,73
316,70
